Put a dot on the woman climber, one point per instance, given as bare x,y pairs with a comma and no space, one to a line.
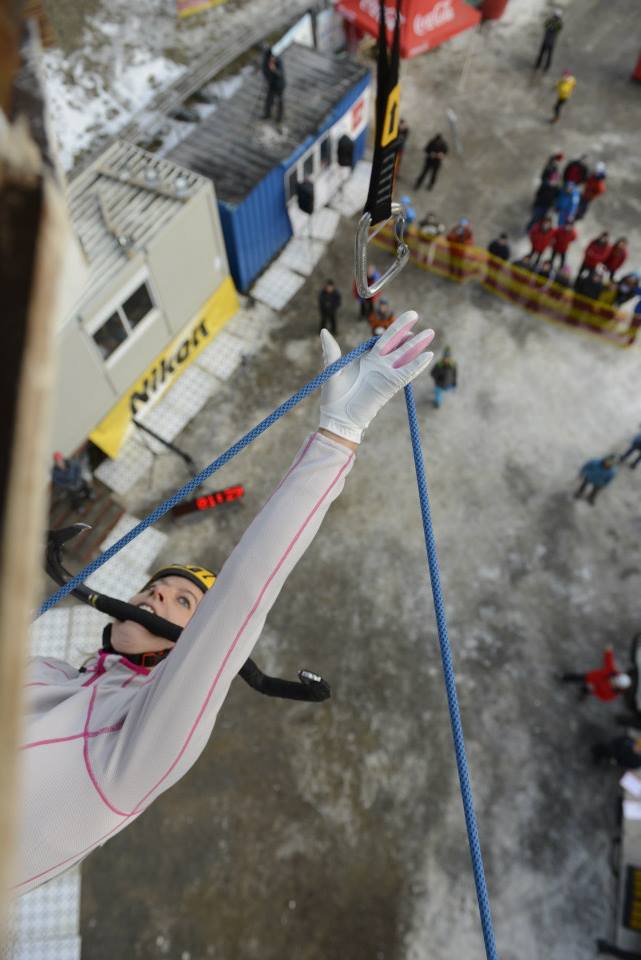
103,744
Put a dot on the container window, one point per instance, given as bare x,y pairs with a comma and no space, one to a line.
110,335
326,152
138,305
292,183
308,167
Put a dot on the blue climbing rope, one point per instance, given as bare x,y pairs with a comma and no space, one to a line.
450,683
441,621
196,481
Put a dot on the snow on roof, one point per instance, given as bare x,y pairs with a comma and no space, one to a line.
119,203
236,150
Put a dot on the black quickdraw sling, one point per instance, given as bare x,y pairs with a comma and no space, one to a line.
379,207
310,687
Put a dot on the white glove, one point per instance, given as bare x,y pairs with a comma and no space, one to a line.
352,398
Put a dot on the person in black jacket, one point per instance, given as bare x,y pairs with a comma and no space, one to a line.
329,300
543,201
444,376
551,30
551,171
435,152
500,247
274,74
403,134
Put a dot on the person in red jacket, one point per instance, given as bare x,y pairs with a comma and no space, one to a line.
461,232
563,237
617,257
576,171
597,251
593,187
541,237
605,683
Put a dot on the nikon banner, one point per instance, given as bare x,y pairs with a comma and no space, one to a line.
185,8
168,366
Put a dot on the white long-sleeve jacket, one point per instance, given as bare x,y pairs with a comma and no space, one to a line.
100,746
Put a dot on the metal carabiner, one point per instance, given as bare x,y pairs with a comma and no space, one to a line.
360,252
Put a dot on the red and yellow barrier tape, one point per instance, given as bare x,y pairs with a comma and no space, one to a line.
522,287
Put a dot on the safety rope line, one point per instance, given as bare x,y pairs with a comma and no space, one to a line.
450,683
196,481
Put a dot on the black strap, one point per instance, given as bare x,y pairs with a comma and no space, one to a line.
381,185
311,687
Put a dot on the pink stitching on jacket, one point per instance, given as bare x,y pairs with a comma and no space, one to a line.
242,628
75,856
53,666
301,456
85,752
75,736
98,670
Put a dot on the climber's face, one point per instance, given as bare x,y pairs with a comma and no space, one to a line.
172,598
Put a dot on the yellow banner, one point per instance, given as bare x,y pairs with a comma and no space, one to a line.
166,368
185,8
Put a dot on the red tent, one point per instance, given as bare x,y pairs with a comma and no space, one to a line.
424,23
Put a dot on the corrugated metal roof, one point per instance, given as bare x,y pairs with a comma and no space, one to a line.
123,200
236,149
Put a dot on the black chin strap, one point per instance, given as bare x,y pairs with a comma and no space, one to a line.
138,659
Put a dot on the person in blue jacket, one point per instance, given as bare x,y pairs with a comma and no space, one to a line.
566,203
596,474
635,447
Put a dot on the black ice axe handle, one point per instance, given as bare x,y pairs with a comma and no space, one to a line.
310,688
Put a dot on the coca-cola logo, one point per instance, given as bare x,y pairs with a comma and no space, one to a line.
372,9
441,13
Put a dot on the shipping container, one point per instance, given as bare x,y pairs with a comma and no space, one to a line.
256,164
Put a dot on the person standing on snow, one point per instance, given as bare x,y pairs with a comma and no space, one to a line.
567,203
402,135
329,300
444,375
564,90
435,152
461,232
551,30
101,745
616,257
544,198
596,474
634,447
552,171
606,683
500,247
541,237
597,251
68,475
563,237
628,287
593,187
381,318
576,171
274,74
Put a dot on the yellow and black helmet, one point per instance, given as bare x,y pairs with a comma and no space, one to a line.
202,578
